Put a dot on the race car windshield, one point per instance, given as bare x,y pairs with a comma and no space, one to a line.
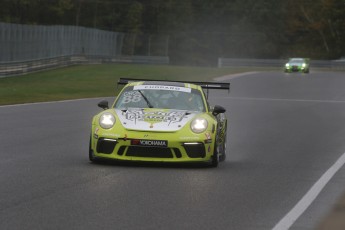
297,61
189,99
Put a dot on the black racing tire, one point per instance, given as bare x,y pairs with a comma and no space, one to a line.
223,156
224,146
92,157
215,159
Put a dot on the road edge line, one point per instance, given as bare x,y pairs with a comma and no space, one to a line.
291,217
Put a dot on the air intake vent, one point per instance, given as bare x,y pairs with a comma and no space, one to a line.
195,150
156,152
106,146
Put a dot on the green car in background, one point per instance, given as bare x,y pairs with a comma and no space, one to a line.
297,65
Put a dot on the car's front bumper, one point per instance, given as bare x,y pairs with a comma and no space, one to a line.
296,69
198,149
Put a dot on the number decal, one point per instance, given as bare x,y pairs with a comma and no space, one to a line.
133,96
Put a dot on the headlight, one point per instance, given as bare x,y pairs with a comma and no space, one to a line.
199,125
303,65
287,65
107,121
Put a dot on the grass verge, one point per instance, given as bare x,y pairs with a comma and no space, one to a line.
87,81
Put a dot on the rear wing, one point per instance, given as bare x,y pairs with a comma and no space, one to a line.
204,85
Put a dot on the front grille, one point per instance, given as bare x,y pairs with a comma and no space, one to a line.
121,150
177,152
156,152
196,150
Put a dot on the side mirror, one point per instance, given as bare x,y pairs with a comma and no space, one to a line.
103,104
218,109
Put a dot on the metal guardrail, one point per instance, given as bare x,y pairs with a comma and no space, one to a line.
233,62
23,67
334,64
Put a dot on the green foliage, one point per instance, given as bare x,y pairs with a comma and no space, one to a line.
317,28
200,31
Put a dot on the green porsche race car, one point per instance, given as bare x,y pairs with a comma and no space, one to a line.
160,121
297,65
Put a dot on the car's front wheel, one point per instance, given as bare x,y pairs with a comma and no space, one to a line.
92,156
222,157
215,158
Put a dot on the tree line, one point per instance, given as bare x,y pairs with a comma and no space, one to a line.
200,31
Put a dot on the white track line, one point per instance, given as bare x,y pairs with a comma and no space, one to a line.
287,221
283,99
233,76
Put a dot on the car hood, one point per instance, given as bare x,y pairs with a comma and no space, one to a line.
164,120
296,63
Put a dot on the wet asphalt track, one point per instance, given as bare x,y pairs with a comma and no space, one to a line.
285,131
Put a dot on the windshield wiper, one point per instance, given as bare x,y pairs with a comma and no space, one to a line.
145,98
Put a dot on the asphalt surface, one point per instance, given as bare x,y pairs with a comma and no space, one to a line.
285,131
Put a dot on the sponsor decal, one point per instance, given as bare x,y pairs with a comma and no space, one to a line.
115,135
157,143
95,135
154,119
96,130
162,87
189,138
208,136
155,116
